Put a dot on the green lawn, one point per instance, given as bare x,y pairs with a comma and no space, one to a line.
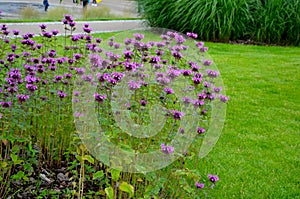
258,153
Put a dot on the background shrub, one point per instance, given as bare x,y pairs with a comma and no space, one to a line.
270,21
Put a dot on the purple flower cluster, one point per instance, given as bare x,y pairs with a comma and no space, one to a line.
99,98
166,149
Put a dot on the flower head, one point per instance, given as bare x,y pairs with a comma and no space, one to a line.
224,98
200,130
22,98
213,178
99,98
177,115
199,185
192,35
169,90
166,149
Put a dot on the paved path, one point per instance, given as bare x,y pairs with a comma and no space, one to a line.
117,7
97,26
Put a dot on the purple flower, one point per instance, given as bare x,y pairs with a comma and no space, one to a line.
138,36
134,85
61,94
169,90
43,26
186,100
177,115
160,44
127,41
130,66
192,35
22,98
31,87
117,76
200,44
166,149
68,17
44,98
154,59
173,73
213,178
207,62
199,185
72,23
198,103
55,32
77,56
217,90
196,80
5,104
76,93
179,38
202,96
224,98
200,130
98,40
176,54
99,98
186,72
117,46
143,102
16,32
203,49
80,71
77,114
87,30
128,54
181,130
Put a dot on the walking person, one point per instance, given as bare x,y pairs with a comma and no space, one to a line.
46,5
94,3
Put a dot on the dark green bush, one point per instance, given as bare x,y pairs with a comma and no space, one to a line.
269,21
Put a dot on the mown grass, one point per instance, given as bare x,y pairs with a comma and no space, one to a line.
257,155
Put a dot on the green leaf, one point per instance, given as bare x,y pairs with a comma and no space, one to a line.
15,159
98,175
109,192
89,158
78,158
128,188
115,174
3,164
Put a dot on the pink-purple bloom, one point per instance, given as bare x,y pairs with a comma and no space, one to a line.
192,35
177,115
199,185
166,149
224,98
213,178
200,130
169,91
99,98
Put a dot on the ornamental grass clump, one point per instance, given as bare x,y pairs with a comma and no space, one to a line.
142,108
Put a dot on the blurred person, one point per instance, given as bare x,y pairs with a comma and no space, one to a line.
46,4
